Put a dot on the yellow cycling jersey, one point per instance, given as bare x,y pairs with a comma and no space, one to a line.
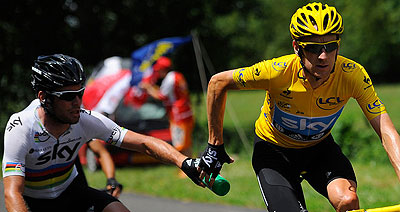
294,115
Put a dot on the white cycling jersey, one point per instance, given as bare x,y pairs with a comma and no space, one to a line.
47,163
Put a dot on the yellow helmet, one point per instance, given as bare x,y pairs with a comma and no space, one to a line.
315,19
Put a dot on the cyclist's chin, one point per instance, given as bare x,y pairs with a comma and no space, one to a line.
323,68
75,121
322,71
72,119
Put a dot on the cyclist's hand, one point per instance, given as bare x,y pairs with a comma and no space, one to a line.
113,187
211,162
189,167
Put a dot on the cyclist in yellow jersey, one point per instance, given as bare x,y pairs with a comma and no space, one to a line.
305,95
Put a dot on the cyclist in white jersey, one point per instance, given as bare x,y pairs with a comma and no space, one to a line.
105,160
41,144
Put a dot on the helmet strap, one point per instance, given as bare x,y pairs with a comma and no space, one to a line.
301,55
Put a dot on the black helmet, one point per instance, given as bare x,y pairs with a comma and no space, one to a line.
55,71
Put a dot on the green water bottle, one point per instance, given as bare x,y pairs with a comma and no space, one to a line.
220,187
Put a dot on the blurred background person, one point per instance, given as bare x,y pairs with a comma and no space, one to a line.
174,93
106,162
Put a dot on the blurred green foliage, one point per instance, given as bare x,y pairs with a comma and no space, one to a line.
235,33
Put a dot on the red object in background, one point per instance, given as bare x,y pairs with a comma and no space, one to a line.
135,97
162,63
133,100
95,90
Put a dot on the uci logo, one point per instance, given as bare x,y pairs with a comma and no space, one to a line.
348,67
279,66
329,103
115,136
375,107
41,137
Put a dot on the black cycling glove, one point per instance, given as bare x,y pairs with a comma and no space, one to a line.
189,166
114,184
213,158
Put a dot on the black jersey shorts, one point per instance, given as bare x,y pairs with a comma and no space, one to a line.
78,197
319,165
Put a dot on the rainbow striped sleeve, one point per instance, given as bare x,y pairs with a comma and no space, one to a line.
15,167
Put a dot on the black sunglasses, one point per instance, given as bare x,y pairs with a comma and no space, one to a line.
316,48
68,95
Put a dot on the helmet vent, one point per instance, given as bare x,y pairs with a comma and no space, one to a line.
309,8
316,7
303,30
301,22
304,17
336,28
336,20
326,19
313,22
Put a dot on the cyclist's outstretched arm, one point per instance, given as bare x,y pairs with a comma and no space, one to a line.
13,189
216,98
385,129
153,147
162,151
214,155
